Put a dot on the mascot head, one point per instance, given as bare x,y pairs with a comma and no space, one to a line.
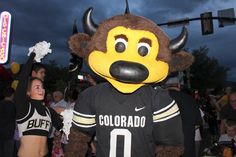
129,51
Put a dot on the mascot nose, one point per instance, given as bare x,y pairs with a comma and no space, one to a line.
128,71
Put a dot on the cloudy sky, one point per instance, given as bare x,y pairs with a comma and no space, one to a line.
52,20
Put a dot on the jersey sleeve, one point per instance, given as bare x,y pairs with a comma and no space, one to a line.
84,112
56,119
167,120
20,97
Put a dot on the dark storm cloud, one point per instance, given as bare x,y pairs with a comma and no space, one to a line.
34,22
163,11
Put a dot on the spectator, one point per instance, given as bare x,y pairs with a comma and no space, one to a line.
211,117
224,100
229,139
48,99
57,150
230,131
197,96
228,112
58,104
189,112
213,101
72,97
58,100
198,136
38,71
7,123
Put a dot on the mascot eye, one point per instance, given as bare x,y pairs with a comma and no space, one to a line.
120,45
143,49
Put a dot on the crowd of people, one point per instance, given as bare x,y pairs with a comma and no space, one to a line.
219,120
208,119
211,113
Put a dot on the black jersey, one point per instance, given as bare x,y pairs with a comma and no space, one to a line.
32,117
127,125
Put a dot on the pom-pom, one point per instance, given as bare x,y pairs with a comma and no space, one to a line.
40,49
67,121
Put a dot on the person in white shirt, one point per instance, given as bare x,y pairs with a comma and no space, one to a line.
230,131
59,105
58,100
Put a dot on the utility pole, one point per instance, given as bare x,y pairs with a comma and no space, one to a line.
225,17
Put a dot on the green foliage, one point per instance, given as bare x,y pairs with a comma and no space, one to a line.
206,72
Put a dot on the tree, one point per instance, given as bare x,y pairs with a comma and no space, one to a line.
206,72
56,77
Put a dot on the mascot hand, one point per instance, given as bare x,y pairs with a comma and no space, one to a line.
77,145
67,121
169,151
40,49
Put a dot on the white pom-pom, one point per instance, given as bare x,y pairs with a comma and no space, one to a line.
40,49
67,121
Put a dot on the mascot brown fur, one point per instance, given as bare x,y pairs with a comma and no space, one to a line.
95,47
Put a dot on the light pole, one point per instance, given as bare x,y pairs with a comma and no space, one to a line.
225,17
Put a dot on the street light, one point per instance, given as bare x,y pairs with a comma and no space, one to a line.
226,13
207,23
225,17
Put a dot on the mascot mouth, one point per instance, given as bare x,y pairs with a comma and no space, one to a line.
129,72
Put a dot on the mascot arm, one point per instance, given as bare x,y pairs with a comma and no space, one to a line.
169,138
168,134
78,143
169,151
83,125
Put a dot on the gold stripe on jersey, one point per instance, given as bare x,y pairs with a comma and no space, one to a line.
166,113
84,120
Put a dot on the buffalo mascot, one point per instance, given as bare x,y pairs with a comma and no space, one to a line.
128,117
